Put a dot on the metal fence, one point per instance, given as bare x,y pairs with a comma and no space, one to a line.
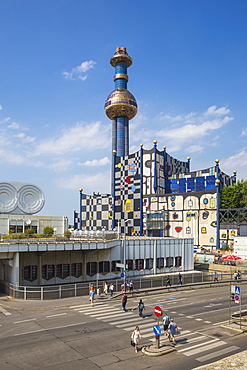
81,289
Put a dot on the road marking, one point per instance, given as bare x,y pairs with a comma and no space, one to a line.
46,329
208,322
198,345
18,322
217,353
198,319
6,313
189,317
122,323
205,348
58,314
221,322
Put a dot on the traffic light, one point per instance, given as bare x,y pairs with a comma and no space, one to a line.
232,296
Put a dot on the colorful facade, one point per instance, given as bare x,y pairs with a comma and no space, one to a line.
157,193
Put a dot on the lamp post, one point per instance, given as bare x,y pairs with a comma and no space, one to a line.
217,184
124,252
80,191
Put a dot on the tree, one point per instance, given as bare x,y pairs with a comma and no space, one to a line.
234,196
48,231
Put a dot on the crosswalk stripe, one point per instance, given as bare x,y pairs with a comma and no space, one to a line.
198,345
121,323
217,353
147,326
205,348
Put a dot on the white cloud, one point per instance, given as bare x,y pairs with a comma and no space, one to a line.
12,157
237,162
24,138
78,72
213,111
96,162
5,120
61,165
1,107
99,182
182,130
82,136
244,131
14,125
195,148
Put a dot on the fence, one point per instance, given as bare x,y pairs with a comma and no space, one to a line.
81,289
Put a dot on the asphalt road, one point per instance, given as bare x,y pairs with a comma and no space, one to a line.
69,334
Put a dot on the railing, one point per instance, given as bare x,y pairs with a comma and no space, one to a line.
140,284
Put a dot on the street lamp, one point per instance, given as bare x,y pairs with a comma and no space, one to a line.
125,222
80,191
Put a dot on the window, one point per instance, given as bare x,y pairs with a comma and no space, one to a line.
104,267
91,268
62,270
160,263
76,269
113,266
130,264
139,264
178,261
48,272
30,273
149,263
169,261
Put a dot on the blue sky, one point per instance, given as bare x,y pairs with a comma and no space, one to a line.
188,76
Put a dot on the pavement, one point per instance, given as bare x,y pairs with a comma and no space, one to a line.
238,361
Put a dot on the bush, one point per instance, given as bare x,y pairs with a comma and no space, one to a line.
48,231
67,234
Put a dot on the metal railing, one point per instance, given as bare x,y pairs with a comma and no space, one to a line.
140,284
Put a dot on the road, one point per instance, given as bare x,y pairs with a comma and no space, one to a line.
68,333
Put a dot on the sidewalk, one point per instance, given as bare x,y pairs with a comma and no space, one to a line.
238,361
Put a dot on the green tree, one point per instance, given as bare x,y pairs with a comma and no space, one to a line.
48,231
234,196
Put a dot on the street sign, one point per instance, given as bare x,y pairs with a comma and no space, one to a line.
157,329
237,290
120,265
157,311
237,298
122,274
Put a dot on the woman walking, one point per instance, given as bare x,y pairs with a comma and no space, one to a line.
91,295
136,337
141,308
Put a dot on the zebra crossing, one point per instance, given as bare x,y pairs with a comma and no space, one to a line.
189,343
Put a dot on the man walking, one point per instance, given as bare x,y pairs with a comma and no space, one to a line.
180,279
166,321
124,301
111,289
172,329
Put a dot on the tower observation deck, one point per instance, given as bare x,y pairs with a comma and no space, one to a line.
120,106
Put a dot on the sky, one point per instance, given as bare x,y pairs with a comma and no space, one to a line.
189,78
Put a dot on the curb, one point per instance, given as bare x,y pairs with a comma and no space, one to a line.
153,351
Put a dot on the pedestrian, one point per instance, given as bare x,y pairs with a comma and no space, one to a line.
136,337
235,276
179,279
166,321
91,295
172,329
111,288
215,276
105,288
131,286
141,307
239,275
124,301
168,281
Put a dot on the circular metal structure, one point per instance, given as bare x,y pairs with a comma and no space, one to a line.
30,199
8,197
120,103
